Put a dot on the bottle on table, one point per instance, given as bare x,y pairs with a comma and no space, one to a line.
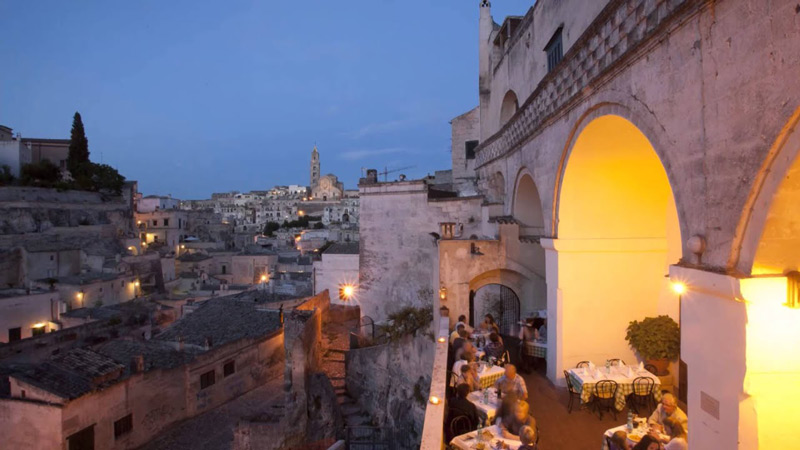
486,396
630,421
480,430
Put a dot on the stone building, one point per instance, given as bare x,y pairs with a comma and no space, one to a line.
323,187
16,151
336,270
628,147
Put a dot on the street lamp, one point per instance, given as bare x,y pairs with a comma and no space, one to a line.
346,291
678,287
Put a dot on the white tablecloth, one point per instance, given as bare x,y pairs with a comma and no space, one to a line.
467,441
488,410
584,380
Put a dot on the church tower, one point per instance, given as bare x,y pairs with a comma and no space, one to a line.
314,168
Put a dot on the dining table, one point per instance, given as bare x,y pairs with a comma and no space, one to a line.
488,375
584,380
640,429
491,439
487,410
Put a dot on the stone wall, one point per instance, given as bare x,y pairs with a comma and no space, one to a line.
391,382
398,246
465,127
30,425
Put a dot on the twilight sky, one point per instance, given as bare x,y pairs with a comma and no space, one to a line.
192,97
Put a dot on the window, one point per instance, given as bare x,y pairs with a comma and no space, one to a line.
229,368
35,331
155,222
52,257
554,50
14,334
469,149
123,426
207,379
166,222
224,270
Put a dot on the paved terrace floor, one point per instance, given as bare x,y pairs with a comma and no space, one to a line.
560,430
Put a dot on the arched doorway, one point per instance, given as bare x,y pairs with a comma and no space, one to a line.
509,107
618,233
498,300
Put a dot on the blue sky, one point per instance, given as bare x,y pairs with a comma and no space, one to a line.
192,97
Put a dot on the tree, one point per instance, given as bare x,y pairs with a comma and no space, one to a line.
78,158
106,178
5,175
270,228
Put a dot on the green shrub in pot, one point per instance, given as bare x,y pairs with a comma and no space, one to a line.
656,339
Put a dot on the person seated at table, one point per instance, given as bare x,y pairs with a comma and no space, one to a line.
495,348
526,333
466,347
455,334
511,424
459,405
527,436
619,441
463,337
511,382
648,442
667,408
466,358
677,434
468,374
542,331
462,320
488,325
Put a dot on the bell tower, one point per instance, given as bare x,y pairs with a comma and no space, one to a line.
314,168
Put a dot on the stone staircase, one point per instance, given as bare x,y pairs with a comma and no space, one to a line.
337,342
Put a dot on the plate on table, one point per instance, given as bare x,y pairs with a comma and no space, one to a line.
634,438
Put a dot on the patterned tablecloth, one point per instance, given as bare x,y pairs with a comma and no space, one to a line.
489,376
467,441
584,383
536,349
486,410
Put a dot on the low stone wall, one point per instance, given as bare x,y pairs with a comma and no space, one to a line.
37,194
391,382
433,431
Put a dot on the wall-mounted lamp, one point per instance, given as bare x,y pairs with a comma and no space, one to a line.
442,339
79,295
434,400
346,291
443,293
678,287
39,325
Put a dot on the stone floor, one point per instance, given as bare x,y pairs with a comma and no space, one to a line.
582,429
213,430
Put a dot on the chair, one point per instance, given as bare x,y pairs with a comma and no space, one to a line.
582,364
616,362
572,392
460,425
642,394
605,397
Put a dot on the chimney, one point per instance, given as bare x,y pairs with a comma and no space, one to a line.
372,176
137,364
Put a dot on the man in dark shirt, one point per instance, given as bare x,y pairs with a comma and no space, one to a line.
511,424
460,406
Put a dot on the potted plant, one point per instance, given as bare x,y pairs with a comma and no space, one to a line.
656,339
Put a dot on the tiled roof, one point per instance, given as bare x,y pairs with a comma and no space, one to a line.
157,354
349,248
222,320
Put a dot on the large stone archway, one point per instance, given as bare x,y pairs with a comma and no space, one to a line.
617,233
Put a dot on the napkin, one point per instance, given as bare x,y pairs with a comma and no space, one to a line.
597,373
630,371
641,365
591,365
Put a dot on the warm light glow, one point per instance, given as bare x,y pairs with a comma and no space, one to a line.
297,239
443,293
138,222
442,339
136,283
79,295
300,213
39,325
131,248
678,287
183,246
434,400
263,278
348,291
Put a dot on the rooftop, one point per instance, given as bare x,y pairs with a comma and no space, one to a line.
349,248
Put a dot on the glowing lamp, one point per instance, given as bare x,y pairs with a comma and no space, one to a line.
300,213
39,325
183,246
136,283
678,288
346,291
434,400
263,278
442,339
443,293
79,295
131,248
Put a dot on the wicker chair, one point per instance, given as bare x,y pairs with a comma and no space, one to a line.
572,392
642,395
582,364
605,397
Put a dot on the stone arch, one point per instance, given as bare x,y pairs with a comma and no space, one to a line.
527,203
509,107
771,214
618,232
488,283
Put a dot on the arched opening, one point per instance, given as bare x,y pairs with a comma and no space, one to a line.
509,107
501,302
772,300
527,210
618,233
528,206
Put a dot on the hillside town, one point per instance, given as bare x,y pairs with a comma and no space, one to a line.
609,259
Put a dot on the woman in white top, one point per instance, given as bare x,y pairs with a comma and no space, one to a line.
677,435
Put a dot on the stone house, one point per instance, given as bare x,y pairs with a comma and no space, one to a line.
337,269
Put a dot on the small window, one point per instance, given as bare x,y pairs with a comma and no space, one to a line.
554,50
52,257
229,368
22,393
166,222
207,379
101,289
155,222
224,270
14,334
123,426
469,149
